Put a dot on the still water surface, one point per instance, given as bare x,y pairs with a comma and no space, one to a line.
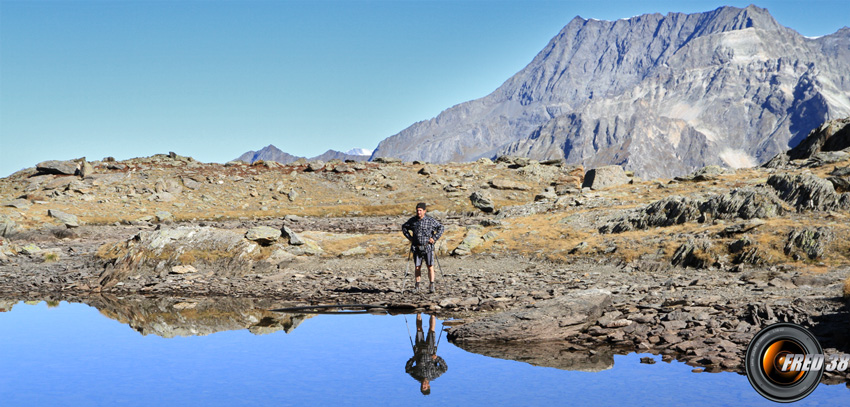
72,355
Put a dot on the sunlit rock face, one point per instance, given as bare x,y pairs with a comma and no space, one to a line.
661,95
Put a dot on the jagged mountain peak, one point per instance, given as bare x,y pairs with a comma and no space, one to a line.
659,94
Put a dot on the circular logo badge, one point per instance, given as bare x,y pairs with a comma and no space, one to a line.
782,362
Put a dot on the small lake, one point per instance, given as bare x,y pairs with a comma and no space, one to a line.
72,354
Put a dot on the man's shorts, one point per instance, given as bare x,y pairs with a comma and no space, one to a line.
425,254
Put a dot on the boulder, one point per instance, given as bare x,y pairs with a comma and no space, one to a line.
315,166
164,217
86,169
66,218
289,234
833,135
472,239
57,167
673,210
605,177
808,192
504,184
744,203
7,226
809,241
387,160
549,320
263,235
19,203
482,202
156,252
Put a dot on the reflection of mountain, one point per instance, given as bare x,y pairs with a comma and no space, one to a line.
545,354
171,317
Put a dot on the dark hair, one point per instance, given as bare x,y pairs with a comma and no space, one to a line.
421,205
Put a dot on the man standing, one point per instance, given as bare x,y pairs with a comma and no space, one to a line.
422,231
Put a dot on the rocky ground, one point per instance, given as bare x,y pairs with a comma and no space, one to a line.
542,254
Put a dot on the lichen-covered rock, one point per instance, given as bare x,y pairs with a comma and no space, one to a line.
7,226
289,234
808,192
744,203
472,239
809,241
673,210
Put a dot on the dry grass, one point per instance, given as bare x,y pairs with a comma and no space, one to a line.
847,288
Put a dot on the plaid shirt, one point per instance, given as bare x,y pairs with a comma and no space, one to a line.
418,231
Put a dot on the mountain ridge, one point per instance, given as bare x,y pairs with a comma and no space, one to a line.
734,82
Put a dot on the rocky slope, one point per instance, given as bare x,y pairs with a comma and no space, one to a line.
660,95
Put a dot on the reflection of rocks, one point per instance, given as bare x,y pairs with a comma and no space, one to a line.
172,317
559,355
553,319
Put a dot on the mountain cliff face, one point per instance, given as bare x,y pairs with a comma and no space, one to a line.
660,95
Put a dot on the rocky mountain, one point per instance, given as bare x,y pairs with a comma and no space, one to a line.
267,153
658,94
272,153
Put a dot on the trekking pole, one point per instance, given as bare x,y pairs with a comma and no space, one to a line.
408,334
406,268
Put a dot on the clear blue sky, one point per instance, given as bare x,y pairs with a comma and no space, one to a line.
214,79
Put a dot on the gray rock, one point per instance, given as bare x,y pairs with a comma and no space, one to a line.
164,217
263,235
7,226
57,167
809,241
20,203
472,239
86,169
66,218
549,320
832,135
744,203
808,192
482,201
605,177
315,166
287,233
504,184
387,160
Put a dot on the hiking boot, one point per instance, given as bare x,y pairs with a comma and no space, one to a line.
431,289
416,286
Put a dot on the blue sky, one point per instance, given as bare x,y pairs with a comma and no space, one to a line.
214,79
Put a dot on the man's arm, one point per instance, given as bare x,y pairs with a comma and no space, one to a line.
438,230
405,230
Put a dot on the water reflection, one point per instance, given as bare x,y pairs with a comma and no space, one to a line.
425,365
183,317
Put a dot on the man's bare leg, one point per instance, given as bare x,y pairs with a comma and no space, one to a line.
418,275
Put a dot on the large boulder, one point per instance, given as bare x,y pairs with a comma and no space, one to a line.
66,218
7,225
287,233
152,253
505,184
833,135
808,192
263,235
744,203
605,177
549,320
58,167
673,210
482,201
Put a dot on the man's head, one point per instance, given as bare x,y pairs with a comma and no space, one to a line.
421,209
425,387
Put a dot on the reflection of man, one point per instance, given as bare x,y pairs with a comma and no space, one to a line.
422,231
425,365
